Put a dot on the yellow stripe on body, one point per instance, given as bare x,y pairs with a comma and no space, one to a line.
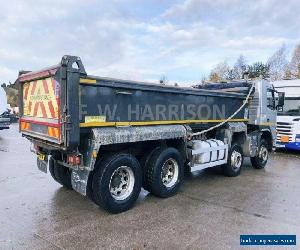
112,124
267,124
85,80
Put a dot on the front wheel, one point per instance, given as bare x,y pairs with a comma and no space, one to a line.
260,160
117,182
235,161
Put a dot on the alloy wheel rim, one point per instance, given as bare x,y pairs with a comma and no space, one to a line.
236,160
263,154
121,183
170,171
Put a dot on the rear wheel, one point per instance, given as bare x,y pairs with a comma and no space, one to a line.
144,162
260,160
164,172
51,168
235,161
117,182
60,174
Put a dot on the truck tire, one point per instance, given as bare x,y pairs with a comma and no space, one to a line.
187,168
164,172
260,160
144,162
117,182
51,168
60,174
235,161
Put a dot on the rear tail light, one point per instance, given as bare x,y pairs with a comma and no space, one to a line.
53,132
25,126
74,160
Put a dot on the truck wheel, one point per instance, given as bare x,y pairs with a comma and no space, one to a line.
60,174
51,168
164,172
235,162
187,168
117,182
144,162
260,160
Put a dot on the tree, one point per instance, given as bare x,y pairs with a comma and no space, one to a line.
278,64
239,67
294,65
11,94
214,77
220,72
258,69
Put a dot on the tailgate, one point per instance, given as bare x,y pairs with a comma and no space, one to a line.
49,104
40,103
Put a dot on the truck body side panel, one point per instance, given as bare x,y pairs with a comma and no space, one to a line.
107,102
57,103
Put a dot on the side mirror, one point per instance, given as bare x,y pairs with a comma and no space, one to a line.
280,102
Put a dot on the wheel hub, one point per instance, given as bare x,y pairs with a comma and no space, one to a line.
236,160
116,180
169,175
121,183
263,154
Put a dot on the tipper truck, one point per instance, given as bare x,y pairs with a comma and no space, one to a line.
107,138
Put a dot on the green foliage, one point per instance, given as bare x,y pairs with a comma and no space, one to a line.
11,94
258,69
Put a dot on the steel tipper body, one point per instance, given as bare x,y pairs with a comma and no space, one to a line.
106,138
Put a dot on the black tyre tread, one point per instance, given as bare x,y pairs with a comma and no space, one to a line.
89,188
63,176
98,171
60,174
150,178
255,161
51,169
144,163
187,168
226,168
101,167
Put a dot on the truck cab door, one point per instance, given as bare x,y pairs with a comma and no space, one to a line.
270,111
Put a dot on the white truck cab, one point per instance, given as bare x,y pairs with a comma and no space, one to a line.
288,119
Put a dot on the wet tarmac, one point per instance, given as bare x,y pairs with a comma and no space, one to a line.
210,211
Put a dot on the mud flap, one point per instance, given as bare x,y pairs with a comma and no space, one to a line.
42,164
79,179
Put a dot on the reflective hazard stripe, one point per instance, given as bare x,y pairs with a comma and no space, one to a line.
41,98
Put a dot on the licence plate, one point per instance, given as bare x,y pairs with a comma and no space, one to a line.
41,157
284,139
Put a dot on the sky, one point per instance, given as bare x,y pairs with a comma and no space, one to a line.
143,40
